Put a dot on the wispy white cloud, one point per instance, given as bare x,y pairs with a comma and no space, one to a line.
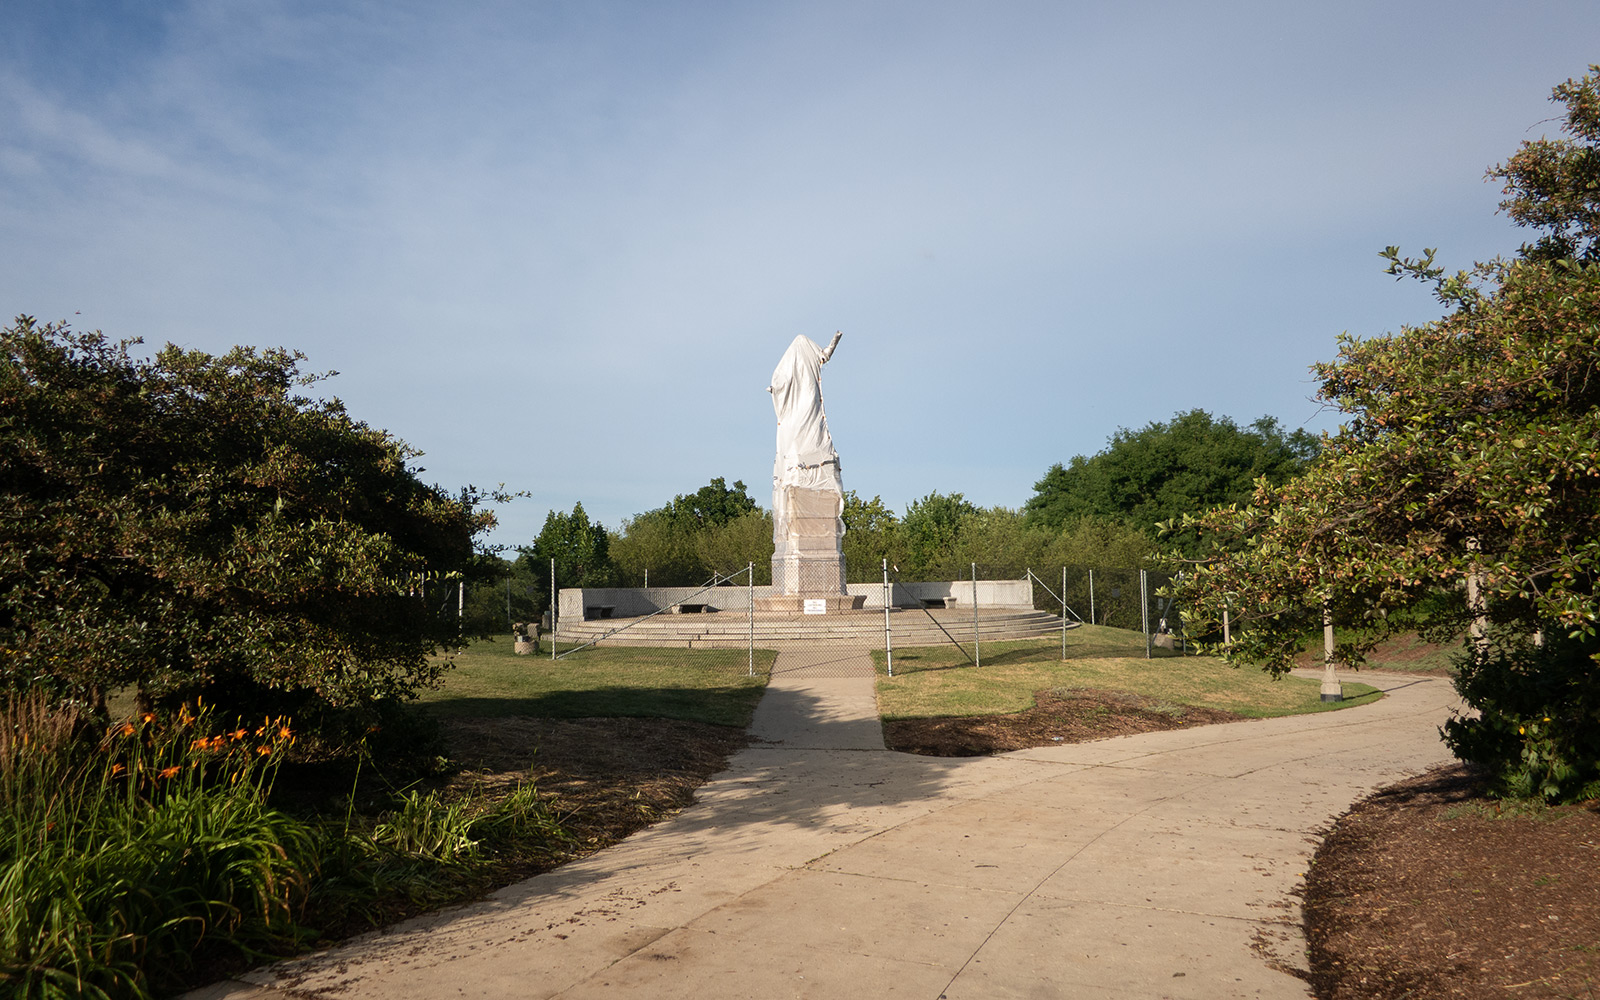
561,245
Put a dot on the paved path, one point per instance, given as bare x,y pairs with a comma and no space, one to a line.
821,865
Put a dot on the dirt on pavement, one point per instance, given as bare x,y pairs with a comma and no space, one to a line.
1060,715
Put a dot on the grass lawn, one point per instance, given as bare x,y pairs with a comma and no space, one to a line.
696,685
938,681
1405,654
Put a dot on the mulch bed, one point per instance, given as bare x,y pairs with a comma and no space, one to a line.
1059,716
607,777
1428,889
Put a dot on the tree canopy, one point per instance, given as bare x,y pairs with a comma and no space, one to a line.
1168,469
191,523
928,535
716,529
1470,453
580,547
712,505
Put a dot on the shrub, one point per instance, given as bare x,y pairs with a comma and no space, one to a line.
1537,727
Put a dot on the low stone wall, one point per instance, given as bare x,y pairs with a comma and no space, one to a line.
1011,595
633,602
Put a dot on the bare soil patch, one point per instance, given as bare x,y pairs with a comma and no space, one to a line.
1060,715
1428,889
607,777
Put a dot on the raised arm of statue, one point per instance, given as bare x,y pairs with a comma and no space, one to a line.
828,351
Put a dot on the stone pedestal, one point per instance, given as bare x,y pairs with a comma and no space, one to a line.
832,604
807,557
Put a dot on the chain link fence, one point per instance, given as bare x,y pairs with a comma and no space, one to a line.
734,615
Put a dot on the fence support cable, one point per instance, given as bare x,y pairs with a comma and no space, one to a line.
937,624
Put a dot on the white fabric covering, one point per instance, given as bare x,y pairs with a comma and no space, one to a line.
805,455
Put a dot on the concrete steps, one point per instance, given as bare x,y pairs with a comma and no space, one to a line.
724,630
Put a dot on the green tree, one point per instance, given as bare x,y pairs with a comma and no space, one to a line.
581,549
672,543
712,505
499,593
729,547
191,524
654,545
929,531
871,534
1165,470
579,546
1471,455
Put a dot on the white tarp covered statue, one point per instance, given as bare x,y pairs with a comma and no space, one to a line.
806,485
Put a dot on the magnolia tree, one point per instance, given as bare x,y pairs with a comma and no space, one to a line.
1464,491
190,524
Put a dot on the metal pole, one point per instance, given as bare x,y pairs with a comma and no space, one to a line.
750,579
1091,592
977,654
554,611
1183,633
1064,613
1144,612
888,645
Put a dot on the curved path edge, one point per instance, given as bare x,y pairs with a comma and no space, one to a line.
821,865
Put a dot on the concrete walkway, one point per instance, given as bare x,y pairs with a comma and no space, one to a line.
821,865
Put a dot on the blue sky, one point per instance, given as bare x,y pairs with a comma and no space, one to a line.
562,245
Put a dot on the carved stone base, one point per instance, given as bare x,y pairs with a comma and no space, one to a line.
807,557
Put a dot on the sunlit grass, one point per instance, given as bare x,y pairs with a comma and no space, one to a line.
938,681
697,685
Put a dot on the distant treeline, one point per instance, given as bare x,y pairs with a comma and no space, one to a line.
1102,511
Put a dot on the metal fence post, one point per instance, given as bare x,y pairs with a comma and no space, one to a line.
1064,612
1091,592
750,610
554,610
888,644
977,654
1144,612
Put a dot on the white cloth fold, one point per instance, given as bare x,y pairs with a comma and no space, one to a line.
805,454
